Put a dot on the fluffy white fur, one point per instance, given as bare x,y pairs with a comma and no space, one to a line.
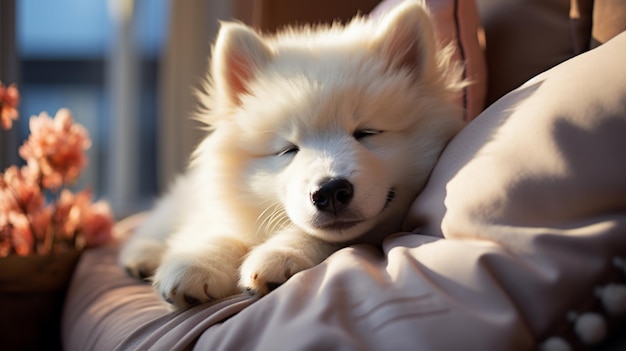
358,114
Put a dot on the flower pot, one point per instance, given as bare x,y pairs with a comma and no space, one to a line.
32,292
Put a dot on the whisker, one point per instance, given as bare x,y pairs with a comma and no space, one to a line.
265,218
279,219
272,219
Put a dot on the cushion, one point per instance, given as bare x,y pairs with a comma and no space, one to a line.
541,174
457,24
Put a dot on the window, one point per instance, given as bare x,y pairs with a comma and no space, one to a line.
99,59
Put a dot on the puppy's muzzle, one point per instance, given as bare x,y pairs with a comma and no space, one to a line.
333,195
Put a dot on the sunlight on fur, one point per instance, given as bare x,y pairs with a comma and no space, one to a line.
320,137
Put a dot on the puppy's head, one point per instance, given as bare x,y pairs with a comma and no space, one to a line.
340,126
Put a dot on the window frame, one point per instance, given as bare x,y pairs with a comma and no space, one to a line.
8,74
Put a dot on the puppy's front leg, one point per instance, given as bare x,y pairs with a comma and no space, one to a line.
283,255
201,270
141,253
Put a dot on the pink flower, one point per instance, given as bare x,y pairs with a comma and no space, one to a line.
24,217
9,99
76,215
21,234
56,147
6,244
55,156
97,224
19,191
40,225
68,212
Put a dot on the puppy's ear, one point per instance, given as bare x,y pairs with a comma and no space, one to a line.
406,38
237,56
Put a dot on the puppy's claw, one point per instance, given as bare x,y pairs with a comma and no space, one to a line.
261,288
139,273
271,286
191,301
143,275
167,299
129,271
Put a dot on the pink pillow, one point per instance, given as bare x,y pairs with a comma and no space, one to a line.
457,22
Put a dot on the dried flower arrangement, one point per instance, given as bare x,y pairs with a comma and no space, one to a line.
38,213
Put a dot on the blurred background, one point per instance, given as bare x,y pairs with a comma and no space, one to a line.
127,70
119,66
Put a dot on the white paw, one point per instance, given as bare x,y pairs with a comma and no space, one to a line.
186,280
140,257
267,268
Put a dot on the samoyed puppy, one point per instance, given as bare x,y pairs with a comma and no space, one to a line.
320,138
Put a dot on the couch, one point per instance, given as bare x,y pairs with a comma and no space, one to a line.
517,242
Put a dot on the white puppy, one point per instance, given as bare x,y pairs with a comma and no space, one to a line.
321,137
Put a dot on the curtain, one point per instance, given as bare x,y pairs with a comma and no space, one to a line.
193,27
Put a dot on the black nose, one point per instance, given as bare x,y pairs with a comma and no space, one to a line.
333,195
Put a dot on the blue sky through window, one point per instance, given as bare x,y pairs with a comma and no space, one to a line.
83,28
